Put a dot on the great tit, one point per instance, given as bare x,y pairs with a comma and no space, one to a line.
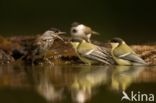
123,54
90,53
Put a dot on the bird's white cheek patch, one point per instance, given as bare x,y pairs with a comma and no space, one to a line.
80,30
114,45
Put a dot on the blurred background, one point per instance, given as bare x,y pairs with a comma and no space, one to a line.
134,21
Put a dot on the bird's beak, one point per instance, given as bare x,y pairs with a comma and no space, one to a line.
95,33
57,36
61,33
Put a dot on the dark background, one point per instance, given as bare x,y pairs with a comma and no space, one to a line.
133,20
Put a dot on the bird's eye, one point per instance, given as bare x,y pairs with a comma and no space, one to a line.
74,30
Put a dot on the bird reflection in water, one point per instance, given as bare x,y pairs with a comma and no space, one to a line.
82,82
45,84
74,83
123,76
85,84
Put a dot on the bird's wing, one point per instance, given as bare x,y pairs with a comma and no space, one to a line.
132,57
97,54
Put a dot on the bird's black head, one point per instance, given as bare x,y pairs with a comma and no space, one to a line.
116,40
74,24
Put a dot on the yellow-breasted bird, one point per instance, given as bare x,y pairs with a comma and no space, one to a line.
123,54
90,53
81,31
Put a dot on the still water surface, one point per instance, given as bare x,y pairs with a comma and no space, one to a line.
74,83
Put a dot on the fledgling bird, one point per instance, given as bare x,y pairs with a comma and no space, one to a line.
81,31
45,41
90,53
123,54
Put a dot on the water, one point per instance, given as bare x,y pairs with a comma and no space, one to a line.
74,83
